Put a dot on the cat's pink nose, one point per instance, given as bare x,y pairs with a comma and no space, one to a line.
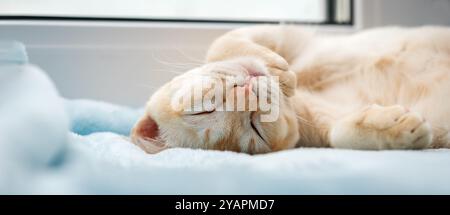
254,73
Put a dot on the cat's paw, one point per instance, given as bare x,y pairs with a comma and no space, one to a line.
274,65
279,67
378,127
287,79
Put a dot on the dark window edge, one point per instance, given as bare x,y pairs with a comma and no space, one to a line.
115,19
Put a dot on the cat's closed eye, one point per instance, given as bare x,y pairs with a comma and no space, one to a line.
252,124
201,113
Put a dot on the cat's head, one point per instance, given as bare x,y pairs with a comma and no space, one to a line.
213,107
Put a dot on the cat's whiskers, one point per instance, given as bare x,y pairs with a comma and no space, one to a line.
200,62
169,71
185,66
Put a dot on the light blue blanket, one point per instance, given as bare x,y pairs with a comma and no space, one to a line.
50,145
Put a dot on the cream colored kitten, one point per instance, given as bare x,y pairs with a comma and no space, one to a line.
385,88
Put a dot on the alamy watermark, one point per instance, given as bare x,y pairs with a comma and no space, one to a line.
204,94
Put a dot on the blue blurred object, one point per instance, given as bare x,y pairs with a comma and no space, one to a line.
12,52
33,121
87,117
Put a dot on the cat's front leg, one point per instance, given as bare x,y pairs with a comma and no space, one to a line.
377,127
241,43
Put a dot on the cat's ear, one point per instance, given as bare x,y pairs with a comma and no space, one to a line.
145,134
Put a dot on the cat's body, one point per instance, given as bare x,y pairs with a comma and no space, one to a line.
386,88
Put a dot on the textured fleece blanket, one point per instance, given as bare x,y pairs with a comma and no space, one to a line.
51,145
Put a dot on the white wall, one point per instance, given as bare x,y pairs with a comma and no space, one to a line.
373,13
119,62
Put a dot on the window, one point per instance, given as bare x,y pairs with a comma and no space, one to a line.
300,11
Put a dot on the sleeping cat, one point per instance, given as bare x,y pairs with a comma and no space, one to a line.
386,88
